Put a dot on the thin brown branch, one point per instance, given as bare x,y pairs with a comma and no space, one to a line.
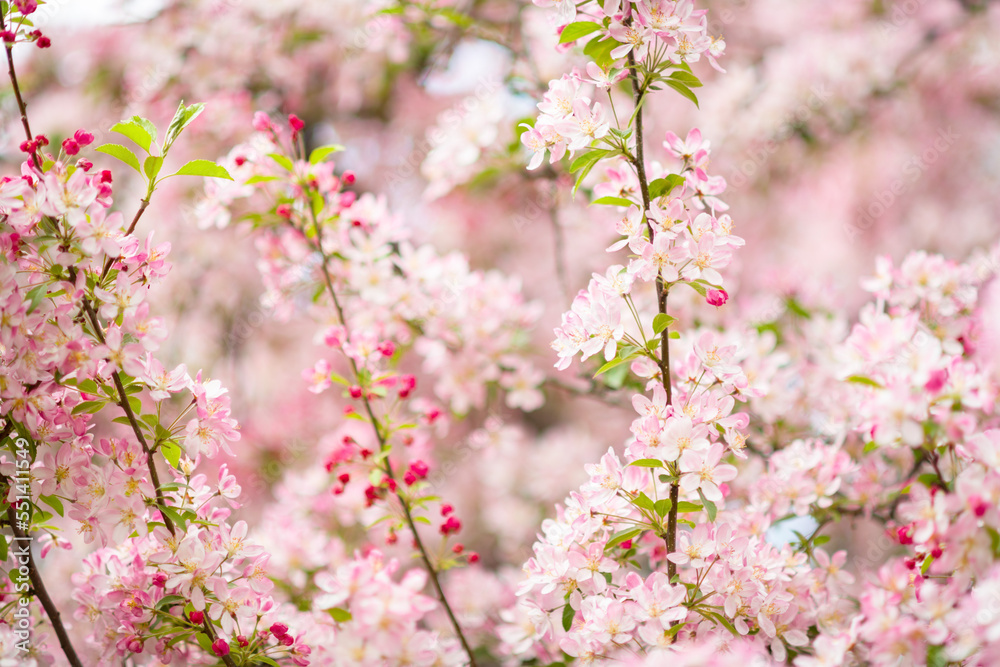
123,403
661,293
383,446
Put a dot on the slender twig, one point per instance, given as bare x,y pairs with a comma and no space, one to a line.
21,107
131,228
38,586
383,446
122,401
661,292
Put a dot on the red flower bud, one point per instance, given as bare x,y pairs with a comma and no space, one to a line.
716,297
220,647
197,617
83,137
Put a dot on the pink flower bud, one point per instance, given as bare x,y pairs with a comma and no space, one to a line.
716,297
83,137
349,177
197,617
220,647
296,123
242,641
43,42
451,525
71,147
279,630
261,122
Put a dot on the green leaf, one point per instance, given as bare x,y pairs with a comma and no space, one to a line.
684,507
587,159
709,506
645,502
613,201
797,308
174,516
661,322
35,296
682,89
928,479
261,179
53,502
320,152
618,361
623,536
647,463
936,657
688,79
266,660
151,166
664,186
926,564
172,453
205,168
575,31
183,117
567,617
137,131
600,51
992,532
861,379
820,540
676,335
662,507
205,643
696,286
674,629
871,447
3,548
282,160
340,615
119,152
721,619
170,601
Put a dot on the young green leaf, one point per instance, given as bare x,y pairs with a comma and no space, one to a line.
321,152
647,463
136,131
709,506
661,322
682,89
612,201
567,617
600,51
151,167
340,615
575,31
119,152
205,168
